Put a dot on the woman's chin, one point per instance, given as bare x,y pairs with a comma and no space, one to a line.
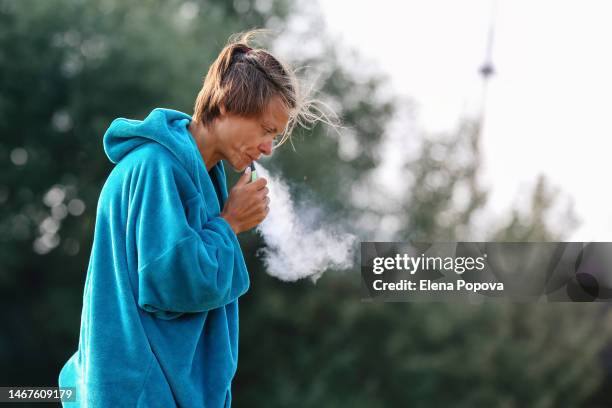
240,167
241,164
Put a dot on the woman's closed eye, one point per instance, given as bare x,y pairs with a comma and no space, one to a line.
272,131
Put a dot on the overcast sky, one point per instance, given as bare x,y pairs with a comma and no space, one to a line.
548,106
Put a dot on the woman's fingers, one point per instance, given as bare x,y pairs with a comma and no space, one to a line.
258,184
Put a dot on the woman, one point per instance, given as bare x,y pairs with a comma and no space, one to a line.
159,324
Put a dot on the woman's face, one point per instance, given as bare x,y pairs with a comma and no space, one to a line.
243,140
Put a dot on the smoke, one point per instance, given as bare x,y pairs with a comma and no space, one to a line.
298,245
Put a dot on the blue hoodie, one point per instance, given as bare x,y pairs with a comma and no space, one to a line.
159,324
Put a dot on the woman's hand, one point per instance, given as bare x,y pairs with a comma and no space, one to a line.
247,204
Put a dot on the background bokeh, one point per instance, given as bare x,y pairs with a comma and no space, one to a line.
69,67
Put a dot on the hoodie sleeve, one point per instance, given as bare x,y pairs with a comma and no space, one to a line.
185,262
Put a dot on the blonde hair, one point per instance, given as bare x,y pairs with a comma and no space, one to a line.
244,79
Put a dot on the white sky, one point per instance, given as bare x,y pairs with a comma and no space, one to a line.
548,106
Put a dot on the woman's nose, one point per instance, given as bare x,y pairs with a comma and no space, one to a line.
266,148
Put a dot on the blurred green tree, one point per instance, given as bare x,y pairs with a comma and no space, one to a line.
325,348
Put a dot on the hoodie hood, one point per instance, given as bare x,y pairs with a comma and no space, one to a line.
167,127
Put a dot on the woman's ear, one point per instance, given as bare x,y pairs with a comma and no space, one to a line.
222,110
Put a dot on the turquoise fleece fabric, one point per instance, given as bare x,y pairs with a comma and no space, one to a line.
159,324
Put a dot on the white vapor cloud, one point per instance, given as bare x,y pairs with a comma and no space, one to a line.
297,244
